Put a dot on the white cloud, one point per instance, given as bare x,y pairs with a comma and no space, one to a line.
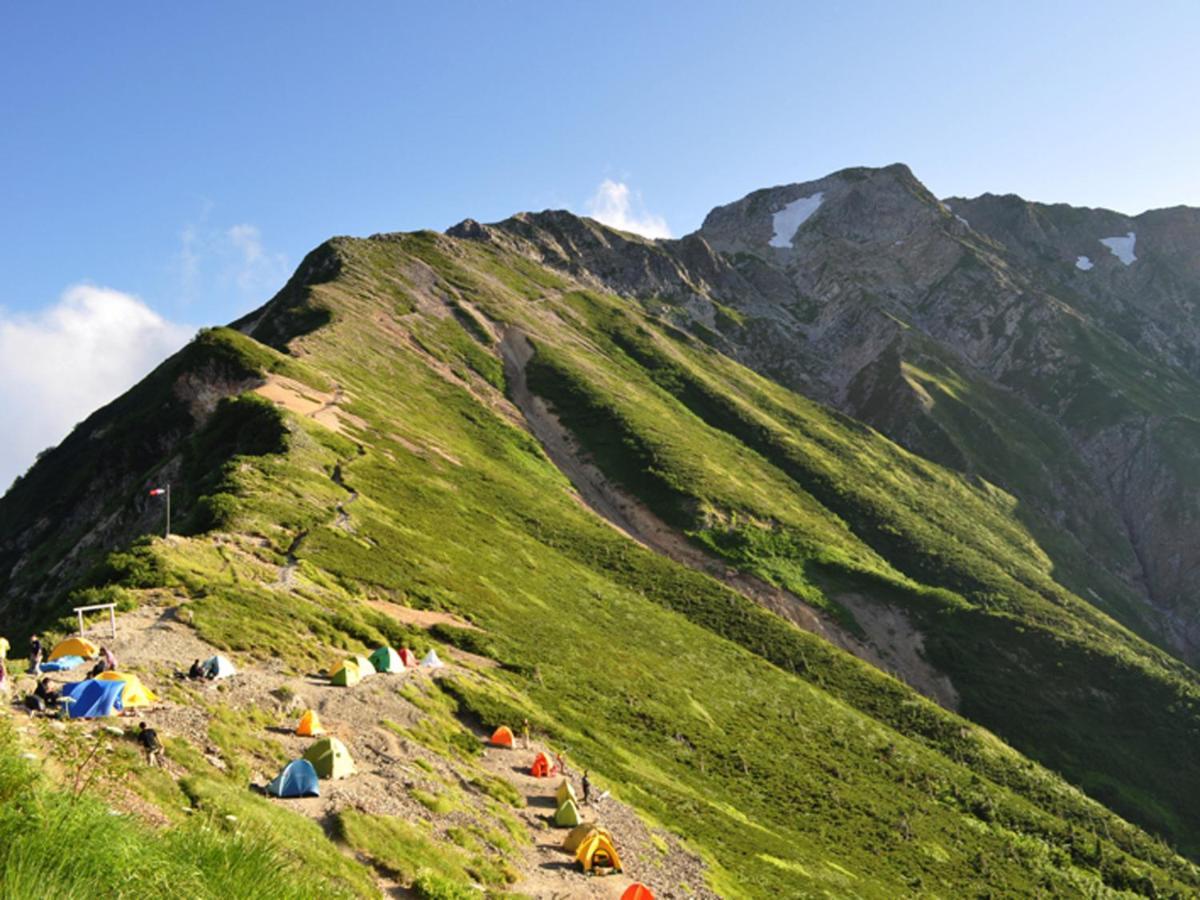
60,364
218,259
614,204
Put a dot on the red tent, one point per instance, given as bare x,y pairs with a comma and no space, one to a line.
637,891
542,767
502,737
409,658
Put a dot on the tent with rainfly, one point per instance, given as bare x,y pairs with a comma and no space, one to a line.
218,667
409,658
598,852
74,646
564,792
578,835
385,659
298,779
330,758
346,674
567,815
502,737
637,891
94,699
432,660
543,766
135,694
310,725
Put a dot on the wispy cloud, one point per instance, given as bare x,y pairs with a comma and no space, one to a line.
616,205
228,258
60,364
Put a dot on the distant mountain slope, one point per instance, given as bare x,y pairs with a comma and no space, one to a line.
368,435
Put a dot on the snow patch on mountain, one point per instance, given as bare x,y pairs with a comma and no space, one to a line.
1084,262
792,216
1122,247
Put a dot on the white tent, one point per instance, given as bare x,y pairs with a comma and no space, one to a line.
218,667
431,661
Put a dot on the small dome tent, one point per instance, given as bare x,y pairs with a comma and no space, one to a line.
502,737
637,891
567,815
346,674
431,661
598,852
298,779
218,667
409,658
385,659
330,758
543,766
94,699
74,646
135,694
310,725
578,835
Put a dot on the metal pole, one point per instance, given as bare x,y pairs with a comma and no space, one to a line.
167,532
112,621
80,614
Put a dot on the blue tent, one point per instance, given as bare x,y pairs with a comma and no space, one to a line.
298,779
93,699
62,664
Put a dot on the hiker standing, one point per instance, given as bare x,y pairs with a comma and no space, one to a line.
561,763
4,682
5,646
587,788
525,733
148,738
35,654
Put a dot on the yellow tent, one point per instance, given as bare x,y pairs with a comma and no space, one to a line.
564,793
581,833
135,693
597,851
346,674
310,725
74,646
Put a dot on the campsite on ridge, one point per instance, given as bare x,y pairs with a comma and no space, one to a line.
547,472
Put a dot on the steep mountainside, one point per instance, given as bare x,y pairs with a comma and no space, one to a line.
621,461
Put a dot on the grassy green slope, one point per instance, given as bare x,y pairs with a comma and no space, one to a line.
794,768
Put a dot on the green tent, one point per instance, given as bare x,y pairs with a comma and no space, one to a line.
330,758
385,659
567,815
346,674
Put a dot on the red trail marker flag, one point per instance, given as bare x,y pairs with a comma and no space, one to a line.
158,492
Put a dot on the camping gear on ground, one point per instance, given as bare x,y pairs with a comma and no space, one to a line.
62,664
431,661
330,758
502,737
409,658
365,669
598,852
136,693
579,834
385,659
310,725
542,767
565,791
217,667
298,779
74,646
94,699
637,891
567,815
346,674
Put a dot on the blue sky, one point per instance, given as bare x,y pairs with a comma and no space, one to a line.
167,165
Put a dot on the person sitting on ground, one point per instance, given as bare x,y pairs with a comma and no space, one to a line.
196,671
587,788
148,738
46,693
35,654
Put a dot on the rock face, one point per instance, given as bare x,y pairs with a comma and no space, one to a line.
1051,350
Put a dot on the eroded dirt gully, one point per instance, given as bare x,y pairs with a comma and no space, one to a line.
895,644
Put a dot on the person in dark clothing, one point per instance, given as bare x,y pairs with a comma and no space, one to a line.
587,788
46,693
35,654
148,738
196,671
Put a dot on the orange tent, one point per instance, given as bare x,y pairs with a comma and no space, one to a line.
502,737
409,658
637,891
542,766
310,725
